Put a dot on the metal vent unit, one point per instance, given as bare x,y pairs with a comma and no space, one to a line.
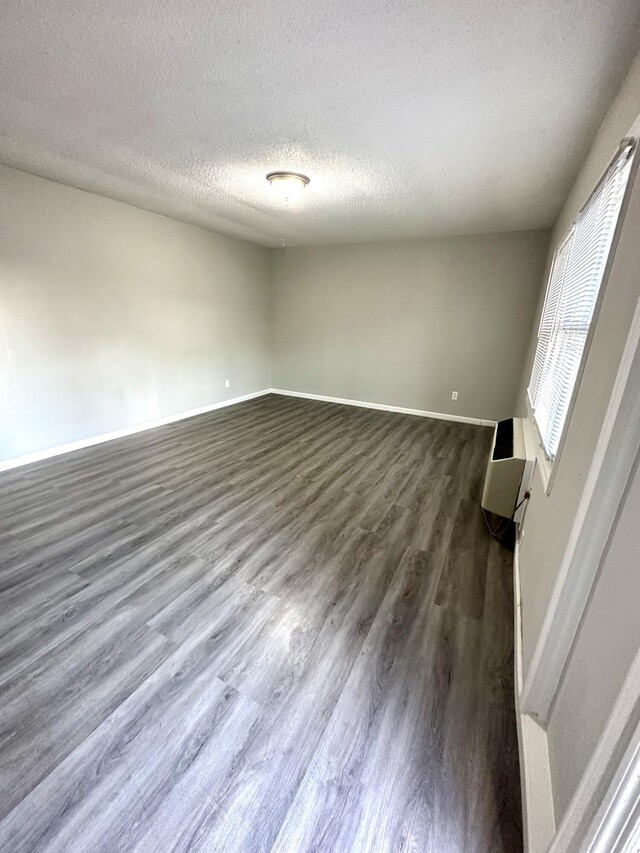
505,468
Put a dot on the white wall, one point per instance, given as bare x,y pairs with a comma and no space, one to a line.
406,322
549,519
111,316
598,662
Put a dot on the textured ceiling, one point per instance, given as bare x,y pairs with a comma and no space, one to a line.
411,117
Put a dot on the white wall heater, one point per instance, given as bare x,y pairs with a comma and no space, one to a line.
505,468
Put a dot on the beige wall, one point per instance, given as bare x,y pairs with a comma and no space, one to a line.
407,322
111,316
596,667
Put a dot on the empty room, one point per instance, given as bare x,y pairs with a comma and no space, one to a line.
320,427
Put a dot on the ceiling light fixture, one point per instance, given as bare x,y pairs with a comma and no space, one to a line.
288,184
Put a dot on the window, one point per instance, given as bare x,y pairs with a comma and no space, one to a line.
572,293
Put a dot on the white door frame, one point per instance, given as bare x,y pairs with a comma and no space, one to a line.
617,448
604,814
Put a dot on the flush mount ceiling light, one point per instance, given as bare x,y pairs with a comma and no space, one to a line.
287,184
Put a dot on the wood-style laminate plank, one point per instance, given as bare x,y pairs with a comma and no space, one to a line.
395,752
50,707
278,626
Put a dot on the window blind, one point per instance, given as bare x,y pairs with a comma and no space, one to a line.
572,292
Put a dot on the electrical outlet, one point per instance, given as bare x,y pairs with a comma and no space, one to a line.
454,395
227,384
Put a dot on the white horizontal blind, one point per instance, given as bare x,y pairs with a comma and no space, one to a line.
548,318
574,283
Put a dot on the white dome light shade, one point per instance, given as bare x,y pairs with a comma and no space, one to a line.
287,184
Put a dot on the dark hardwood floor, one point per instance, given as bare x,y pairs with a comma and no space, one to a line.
279,626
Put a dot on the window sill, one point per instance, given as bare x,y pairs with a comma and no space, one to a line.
535,450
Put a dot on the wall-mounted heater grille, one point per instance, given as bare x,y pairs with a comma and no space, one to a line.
505,468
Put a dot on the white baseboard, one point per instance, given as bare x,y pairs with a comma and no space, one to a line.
48,453
538,818
40,455
384,408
